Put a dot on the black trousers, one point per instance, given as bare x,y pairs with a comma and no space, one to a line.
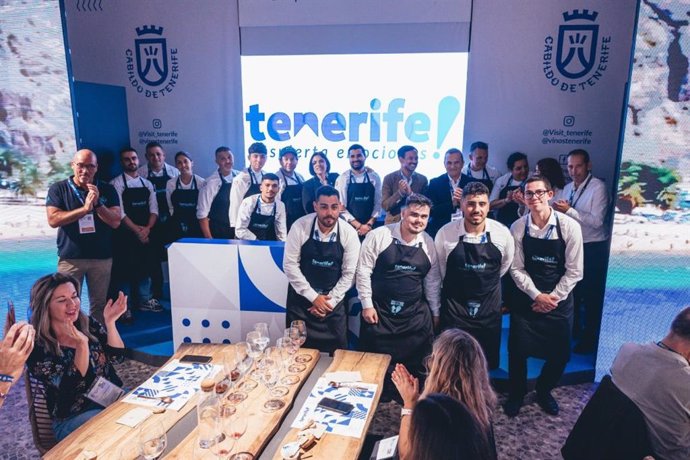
589,293
551,372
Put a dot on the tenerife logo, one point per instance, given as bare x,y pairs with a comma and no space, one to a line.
322,263
404,268
581,58
152,68
545,259
396,306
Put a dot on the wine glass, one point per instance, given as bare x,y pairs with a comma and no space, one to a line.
302,328
238,426
255,342
269,371
153,439
262,328
230,364
225,444
286,349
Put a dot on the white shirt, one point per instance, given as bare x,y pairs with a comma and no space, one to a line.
244,215
171,170
500,183
342,182
572,235
286,180
208,193
240,185
300,232
171,186
137,182
448,237
378,241
591,205
490,170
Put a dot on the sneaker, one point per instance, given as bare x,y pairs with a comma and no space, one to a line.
151,305
126,317
512,406
548,403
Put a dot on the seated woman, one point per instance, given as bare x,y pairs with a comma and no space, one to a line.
443,428
320,169
71,350
457,368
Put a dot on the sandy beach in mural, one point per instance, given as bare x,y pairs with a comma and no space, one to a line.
19,221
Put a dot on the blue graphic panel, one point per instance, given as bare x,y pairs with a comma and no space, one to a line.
251,298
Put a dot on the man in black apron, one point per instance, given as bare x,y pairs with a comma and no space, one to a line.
213,208
473,253
320,260
158,172
360,189
291,184
247,183
546,267
132,239
399,283
182,194
262,217
477,169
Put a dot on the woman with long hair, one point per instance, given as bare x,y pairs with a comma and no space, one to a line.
457,368
320,170
443,428
71,349
551,169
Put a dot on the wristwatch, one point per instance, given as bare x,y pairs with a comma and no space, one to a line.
404,412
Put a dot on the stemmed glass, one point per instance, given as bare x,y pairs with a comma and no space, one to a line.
153,439
256,344
238,426
284,345
262,329
226,443
243,364
269,370
230,364
302,329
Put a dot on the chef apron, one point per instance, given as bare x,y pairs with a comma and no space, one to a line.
292,198
133,254
159,233
263,227
219,214
542,335
159,183
321,264
486,179
508,213
183,222
471,294
405,329
254,186
360,198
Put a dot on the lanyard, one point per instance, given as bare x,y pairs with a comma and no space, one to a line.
294,178
582,190
76,192
661,344
409,181
548,234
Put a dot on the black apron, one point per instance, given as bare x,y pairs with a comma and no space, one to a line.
405,329
183,222
263,227
360,198
133,255
292,198
254,186
219,214
471,294
508,213
486,179
542,335
159,183
321,264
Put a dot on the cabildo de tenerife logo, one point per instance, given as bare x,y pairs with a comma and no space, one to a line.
578,58
152,67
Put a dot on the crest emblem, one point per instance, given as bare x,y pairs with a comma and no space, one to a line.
473,308
577,44
396,306
151,55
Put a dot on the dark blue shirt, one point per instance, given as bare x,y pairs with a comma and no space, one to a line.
66,196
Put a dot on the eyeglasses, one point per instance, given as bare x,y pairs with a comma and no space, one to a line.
537,193
89,167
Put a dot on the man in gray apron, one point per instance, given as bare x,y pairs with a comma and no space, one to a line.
546,267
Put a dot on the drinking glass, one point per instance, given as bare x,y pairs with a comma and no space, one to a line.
244,360
269,372
286,349
302,328
152,440
255,342
230,364
238,426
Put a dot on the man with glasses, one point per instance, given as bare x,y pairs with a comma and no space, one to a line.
546,267
85,211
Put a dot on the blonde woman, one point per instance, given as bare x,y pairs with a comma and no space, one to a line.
457,368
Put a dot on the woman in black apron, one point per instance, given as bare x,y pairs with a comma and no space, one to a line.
404,329
360,198
219,215
321,264
292,198
184,223
540,335
263,227
471,294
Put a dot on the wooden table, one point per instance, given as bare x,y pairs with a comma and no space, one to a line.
110,440
373,367
261,424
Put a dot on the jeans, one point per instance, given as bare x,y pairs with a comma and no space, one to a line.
64,427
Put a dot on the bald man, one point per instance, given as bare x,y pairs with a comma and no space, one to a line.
85,211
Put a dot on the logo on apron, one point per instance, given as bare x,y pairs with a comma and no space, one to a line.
396,306
473,308
545,259
475,267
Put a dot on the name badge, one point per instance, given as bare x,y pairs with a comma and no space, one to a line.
87,224
457,215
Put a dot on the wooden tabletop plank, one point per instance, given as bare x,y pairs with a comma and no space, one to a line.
110,440
372,367
261,424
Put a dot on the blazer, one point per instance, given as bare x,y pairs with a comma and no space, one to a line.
439,192
392,200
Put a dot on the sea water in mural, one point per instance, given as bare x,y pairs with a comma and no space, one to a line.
649,270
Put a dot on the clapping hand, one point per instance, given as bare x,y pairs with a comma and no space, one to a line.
561,205
113,310
404,187
457,196
407,385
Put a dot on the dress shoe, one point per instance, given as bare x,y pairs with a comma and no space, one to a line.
512,406
548,403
